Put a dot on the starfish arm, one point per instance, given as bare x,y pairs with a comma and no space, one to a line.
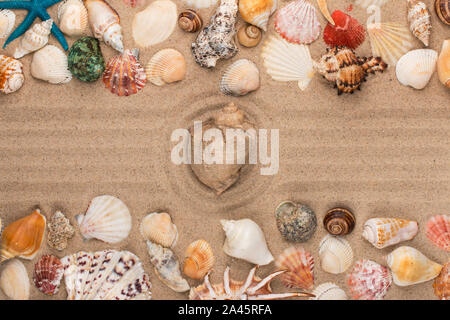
15,5
55,30
21,29
49,3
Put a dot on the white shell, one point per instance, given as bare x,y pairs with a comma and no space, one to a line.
34,39
384,232
11,74
7,21
107,218
240,78
14,280
329,291
166,66
336,254
200,4
73,17
416,68
158,227
286,61
368,3
50,64
257,12
155,23
245,240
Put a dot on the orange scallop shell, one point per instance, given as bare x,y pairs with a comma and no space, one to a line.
199,259
438,231
299,264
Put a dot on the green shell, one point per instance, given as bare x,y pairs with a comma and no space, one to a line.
86,60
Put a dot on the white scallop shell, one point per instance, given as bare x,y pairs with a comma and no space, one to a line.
200,4
158,228
286,61
240,78
368,3
166,66
34,39
329,291
73,17
155,23
336,254
416,68
107,218
14,280
50,64
7,21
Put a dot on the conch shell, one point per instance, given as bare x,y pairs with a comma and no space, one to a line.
419,20
384,232
11,74
443,64
34,39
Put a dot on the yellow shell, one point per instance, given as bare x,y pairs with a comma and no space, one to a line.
199,259
257,12
158,228
443,64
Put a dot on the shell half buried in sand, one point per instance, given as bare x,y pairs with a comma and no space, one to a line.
241,78
166,66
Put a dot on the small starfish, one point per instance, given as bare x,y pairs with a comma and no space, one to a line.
36,8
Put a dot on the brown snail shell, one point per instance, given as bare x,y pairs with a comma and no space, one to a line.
249,36
443,10
190,21
339,221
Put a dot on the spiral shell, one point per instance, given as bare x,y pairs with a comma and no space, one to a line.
369,280
443,10
7,21
11,74
190,21
384,232
14,280
73,17
158,228
51,64
419,21
438,231
47,275
34,39
328,291
249,36
339,221
299,264
336,254
199,259
166,66
441,284
241,78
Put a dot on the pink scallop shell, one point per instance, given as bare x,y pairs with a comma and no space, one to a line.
438,231
298,22
369,280
48,273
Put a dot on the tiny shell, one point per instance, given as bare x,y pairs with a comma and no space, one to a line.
443,10
14,280
240,78
51,64
107,218
419,20
336,254
438,231
329,291
73,17
7,21
11,74
441,284
257,12
299,264
48,272
190,21
59,231
443,64
34,39
296,222
200,4
249,36
158,228
199,259
416,68
369,281
166,66
339,221
384,232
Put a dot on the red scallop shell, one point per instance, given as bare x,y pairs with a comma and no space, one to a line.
369,280
346,32
299,264
47,275
438,231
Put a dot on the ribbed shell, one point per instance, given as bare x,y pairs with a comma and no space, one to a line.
11,74
51,64
419,20
257,12
107,218
7,21
240,78
299,264
328,291
199,259
384,232
285,61
14,280
47,275
369,281
298,22
34,39
441,284
200,4
336,254
124,75
438,231
158,228
416,68
166,66
73,17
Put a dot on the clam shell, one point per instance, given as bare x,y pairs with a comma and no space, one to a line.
51,64
166,66
336,254
107,218
443,64
285,61
14,281
34,39
298,22
158,228
257,12
416,68
200,4
241,78
7,21
384,232
329,291
443,10
438,231
296,222
419,20
47,275
11,74
199,259
155,23
339,221
367,3
190,21
409,266
249,36
369,281
299,264
59,231
73,17
441,284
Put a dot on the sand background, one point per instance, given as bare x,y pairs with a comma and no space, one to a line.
383,151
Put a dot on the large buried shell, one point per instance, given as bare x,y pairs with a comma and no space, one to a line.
369,281
299,264
218,175
384,232
336,254
245,240
124,75
166,66
59,231
241,78
438,231
199,259
7,21
14,281
441,284
11,74
296,222
339,221
105,275
443,64
167,267
216,41
158,228
329,291
409,266
85,59
155,23
257,12
419,20
107,218
200,4
34,39
416,67
347,32
443,10
51,64
73,17
23,238
298,22
47,275
285,61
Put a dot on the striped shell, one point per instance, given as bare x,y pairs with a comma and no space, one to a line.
34,39
415,68
166,66
257,12
11,74
240,78
124,75
336,254
441,284
369,281
47,275
7,21
14,280
329,291
419,20
299,264
199,259
438,231
384,232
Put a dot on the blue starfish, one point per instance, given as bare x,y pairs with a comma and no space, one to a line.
36,8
